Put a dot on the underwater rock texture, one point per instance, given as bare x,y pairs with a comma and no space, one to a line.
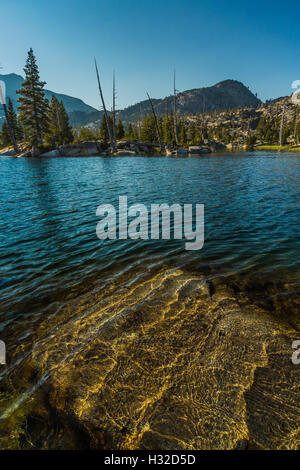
161,359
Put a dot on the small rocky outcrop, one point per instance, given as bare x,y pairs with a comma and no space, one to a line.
198,150
214,146
125,153
80,149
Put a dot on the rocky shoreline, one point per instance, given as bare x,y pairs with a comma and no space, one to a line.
124,148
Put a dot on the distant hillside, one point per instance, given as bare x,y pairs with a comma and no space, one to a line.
225,95
228,94
14,82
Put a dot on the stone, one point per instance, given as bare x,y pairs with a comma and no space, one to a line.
124,153
35,152
197,150
52,153
23,154
81,149
182,152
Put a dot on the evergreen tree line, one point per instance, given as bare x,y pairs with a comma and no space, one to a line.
145,131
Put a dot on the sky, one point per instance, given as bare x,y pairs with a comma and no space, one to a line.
255,42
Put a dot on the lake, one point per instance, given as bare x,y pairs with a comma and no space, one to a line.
53,267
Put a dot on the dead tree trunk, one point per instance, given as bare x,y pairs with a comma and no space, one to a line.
156,124
175,110
104,109
281,127
114,115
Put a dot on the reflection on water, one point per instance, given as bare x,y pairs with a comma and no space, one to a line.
60,286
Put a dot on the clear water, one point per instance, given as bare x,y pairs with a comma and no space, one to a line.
61,288
48,244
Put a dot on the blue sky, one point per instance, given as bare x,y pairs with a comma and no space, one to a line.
255,42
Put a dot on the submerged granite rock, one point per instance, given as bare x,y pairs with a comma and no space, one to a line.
157,359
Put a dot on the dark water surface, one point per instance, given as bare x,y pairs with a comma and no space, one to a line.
49,252
48,243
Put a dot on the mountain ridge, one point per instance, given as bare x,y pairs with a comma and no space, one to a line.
13,82
224,95
227,94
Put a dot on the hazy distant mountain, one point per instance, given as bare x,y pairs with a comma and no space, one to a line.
228,94
14,82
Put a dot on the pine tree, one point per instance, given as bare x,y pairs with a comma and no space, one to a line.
13,121
104,135
182,133
14,126
131,132
120,130
85,134
168,129
33,105
67,133
59,129
192,133
5,137
148,130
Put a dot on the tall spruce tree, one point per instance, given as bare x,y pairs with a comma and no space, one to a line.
168,129
14,126
182,133
148,130
103,132
5,137
33,105
59,129
120,130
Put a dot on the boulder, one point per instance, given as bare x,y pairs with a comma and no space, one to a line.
81,149
52,153
23,154
182,152
197,150
124,153
35,152
7,151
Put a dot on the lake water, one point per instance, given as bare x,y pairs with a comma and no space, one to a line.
50,255
48,243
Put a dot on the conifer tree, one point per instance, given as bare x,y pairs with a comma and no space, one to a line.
131,132
85,134
14,126
33,105
192,133
182,133
120,130
13,121
67,133
5,137
103,132
148,130
168,129
59,129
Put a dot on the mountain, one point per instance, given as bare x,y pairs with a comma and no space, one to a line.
225,95
228,94
14,82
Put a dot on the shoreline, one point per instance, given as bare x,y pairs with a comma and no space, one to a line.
93,149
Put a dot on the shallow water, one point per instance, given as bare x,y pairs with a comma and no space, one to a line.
53,267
